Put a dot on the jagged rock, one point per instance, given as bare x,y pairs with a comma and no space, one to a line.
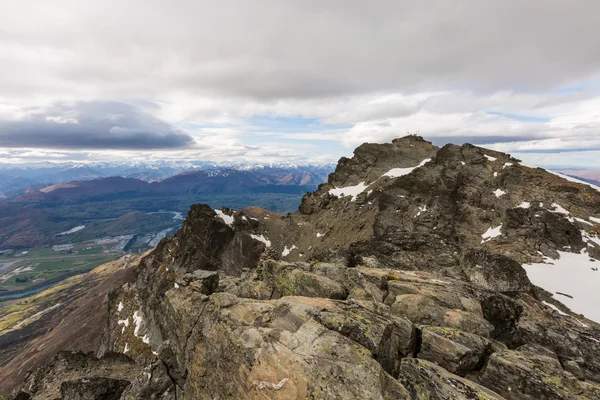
205,282
425,380
494,271
457,351
72,375
503,313
291,280
94,388
154,382
518,375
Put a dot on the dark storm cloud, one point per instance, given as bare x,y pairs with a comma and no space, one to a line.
92,125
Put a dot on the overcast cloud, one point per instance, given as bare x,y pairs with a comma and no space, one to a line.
304,79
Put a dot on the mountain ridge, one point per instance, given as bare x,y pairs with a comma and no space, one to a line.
400,277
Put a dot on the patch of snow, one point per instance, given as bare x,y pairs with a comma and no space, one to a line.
261,238
397,172
287,251
587,238
524,204
176,285
490,157
275,386
421,210
558,209
126,348
349,191
124,322
495,174
583,221
570,274
137,319
594,219
462,163
552,306
120,307
228,219
508,164
499,192
492,233
320,234
72,230
146,339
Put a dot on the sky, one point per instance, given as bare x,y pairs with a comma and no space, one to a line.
297,80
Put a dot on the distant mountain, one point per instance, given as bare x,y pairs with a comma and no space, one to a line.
62,206
212,181
19,178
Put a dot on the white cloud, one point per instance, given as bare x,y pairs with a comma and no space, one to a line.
452,71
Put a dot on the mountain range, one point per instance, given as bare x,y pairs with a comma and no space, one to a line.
414,272
19,178
35,217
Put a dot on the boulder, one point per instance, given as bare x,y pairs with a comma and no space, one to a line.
426,381
457,351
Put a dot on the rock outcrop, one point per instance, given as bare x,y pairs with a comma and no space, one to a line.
399,278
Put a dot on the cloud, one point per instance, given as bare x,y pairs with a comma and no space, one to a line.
91,125
295,49
206,79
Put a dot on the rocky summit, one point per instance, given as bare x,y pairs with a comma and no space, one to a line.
415,272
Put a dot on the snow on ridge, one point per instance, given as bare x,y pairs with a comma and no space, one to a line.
499,192
490,157
571,274
228,219
558,209
583,221
552,306
287,251
124,322
397,172
491,233
349,190
361,187
524,204
261,238
137,319
594,219
508,164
